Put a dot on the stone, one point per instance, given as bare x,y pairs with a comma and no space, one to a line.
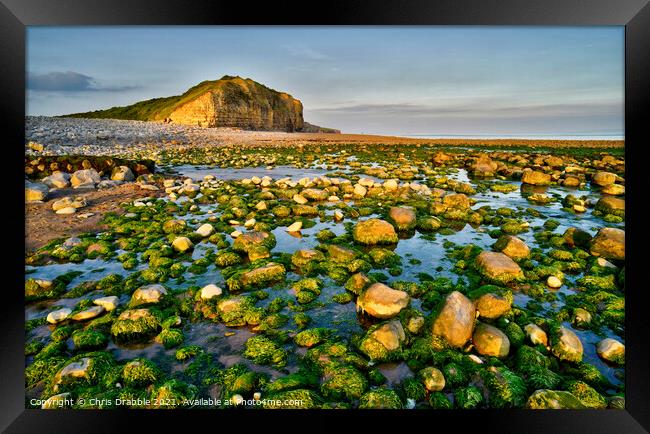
493,305
381,301
553,282
498,267
490,341
246,241
302,257
403,218
390,335
581,317
294,227
390,185
85,178
357,283
91,312
440,158
135,324
205,230
611,350
614,189
484,166
148,294
69,202
338,215
299,199
360,190
66,211
314,194
264,275
122,173
374,231
35,191
571,181
73,371
609,243
455,321
534,177
545,399
57,179
512,247
611,205
576,237
109,303
61,400
210,291
433,379
457,201
59,315
603,178
536,335
566,345
182,244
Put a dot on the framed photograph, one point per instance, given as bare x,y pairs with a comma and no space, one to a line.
371,212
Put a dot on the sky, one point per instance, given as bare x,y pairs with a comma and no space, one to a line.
431,80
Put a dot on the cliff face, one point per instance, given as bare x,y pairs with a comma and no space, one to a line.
241,103
227,102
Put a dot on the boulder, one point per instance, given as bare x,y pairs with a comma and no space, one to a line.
498,267
35,191
611,205
433,379
603,178
264,275
614,189
374,231
455,321
182,244
72,372
59,315
403,218
210,291
57,179
512,247
256,238
148,294
315,194
493,305
534,177
300,258
383,339
484,166
566,345
205,230
381,301
109,303
90,313
545,399
69,202
457,201
122,173
611,350
609,243
490,341
576,237
85,178
536,335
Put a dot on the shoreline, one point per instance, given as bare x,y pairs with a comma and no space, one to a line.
66,132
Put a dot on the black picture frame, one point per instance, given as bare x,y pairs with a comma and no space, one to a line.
15,15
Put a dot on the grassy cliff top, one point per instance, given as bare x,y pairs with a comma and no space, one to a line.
160,108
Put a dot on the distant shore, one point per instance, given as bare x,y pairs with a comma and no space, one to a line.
106,133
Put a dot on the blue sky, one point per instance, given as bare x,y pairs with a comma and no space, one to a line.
437,80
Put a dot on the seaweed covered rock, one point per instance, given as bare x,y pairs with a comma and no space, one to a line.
577,237
148,294
536,335
566,345
611,205
403,218
492,301
244,242
611,350
374,231
433,379
343,382
498,267
382,340
381,398
262,276
136,324
534,177
305,257
512,247
490,341
455,320
609,243
603,179
264,351
182,244
381,301
545,399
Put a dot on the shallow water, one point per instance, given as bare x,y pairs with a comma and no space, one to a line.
227,350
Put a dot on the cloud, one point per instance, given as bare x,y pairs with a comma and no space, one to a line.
68,81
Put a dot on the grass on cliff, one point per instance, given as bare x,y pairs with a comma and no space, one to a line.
235,90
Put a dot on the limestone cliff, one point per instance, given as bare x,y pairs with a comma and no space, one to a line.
227,102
